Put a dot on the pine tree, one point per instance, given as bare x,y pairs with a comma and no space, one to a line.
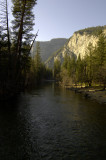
23,22
79,70
37,58
4,27
57,69
100,60
66,60
101,50
37,64
90,64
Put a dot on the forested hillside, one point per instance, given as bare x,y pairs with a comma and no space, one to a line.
92,30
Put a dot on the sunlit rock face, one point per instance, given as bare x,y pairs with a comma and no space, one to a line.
78,43
75,45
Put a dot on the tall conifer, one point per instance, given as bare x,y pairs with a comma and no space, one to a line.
23,22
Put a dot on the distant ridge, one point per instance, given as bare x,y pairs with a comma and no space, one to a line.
47,48
91,30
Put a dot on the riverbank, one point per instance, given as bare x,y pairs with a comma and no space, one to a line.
94,93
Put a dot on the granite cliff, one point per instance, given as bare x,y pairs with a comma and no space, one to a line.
77,44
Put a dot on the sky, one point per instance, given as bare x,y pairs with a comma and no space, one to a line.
61,18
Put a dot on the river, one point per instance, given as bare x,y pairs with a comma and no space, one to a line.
51,123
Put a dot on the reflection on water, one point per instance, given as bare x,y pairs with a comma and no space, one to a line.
52,123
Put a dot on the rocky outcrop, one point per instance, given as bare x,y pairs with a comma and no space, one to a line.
79,43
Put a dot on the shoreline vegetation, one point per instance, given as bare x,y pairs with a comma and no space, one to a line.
94,93
85,75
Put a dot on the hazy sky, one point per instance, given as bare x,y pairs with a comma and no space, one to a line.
61,18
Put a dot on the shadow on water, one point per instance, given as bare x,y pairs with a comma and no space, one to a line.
51,123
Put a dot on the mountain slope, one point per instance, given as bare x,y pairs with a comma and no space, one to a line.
48,47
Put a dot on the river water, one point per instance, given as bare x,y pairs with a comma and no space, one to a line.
51,123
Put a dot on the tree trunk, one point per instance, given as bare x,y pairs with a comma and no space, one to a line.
19,41
8,34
